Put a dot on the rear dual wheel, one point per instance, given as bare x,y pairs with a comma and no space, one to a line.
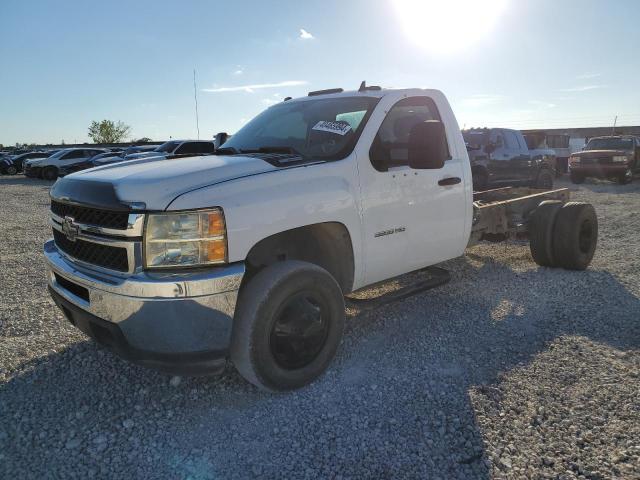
563,235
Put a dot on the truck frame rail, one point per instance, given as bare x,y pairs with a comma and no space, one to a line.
503,213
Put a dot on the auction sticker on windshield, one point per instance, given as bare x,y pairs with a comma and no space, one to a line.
340,128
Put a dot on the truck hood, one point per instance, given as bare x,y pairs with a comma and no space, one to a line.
152,182
601,153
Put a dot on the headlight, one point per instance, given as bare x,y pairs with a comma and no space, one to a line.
619,158
574,159
181,239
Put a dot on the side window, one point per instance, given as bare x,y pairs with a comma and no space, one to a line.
390,147
187,148
497,138
206,147
74,154
511,140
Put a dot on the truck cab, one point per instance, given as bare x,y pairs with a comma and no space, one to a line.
500,156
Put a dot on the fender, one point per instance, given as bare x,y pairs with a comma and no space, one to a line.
263,205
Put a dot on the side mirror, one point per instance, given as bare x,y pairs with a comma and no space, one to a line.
428,145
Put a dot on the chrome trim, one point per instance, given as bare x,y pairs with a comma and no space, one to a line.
116,299
135,226
134,250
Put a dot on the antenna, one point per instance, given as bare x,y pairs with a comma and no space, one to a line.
613,130
195,98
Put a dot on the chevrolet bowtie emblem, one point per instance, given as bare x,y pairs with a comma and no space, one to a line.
70,229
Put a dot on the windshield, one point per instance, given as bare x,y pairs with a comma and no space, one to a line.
324,128
167,147
610,144
475,139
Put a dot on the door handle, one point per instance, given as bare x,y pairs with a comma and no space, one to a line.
449,181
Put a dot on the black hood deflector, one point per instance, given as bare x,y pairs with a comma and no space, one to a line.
88,193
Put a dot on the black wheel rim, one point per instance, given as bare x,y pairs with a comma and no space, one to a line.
299,330
585,236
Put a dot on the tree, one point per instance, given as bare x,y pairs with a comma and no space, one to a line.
108,131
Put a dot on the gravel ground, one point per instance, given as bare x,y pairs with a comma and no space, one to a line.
508,371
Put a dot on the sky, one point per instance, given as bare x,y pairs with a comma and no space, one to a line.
508,63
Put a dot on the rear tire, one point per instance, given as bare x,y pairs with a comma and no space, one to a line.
575,236
288,325
50,173
576,178
541,227
480,180
544,179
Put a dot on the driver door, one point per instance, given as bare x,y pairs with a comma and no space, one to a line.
412,218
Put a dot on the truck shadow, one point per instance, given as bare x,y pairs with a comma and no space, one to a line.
22,180
397,402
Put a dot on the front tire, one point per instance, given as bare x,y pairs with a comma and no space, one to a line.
544,179
12,170
288,325
480,180
576,178
50,173
626,177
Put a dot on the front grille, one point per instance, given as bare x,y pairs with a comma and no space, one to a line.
91,216
114,258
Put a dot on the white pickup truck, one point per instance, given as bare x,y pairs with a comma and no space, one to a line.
247,255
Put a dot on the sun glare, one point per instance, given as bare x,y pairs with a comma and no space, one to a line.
444,26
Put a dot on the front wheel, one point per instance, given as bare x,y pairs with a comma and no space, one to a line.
576,178
50,173
480,180
288,325
544,179
12,170
626,177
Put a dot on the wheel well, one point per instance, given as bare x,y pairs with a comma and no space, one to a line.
327,245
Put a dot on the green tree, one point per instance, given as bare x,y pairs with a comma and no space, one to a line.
108,131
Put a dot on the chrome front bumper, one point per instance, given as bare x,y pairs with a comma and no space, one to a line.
161,315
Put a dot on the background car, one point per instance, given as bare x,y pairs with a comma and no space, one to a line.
500,156
614,156
61,163
15,164
178,147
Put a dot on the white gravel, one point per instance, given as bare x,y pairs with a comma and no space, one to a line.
508,371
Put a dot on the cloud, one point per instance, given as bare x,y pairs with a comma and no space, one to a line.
270,101
256,86
481,100
583,88
587,76
304,35
238,71
542,104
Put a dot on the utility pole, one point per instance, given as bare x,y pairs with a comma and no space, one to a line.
613,130
195,98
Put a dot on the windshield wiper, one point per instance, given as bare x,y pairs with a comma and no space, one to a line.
273,149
